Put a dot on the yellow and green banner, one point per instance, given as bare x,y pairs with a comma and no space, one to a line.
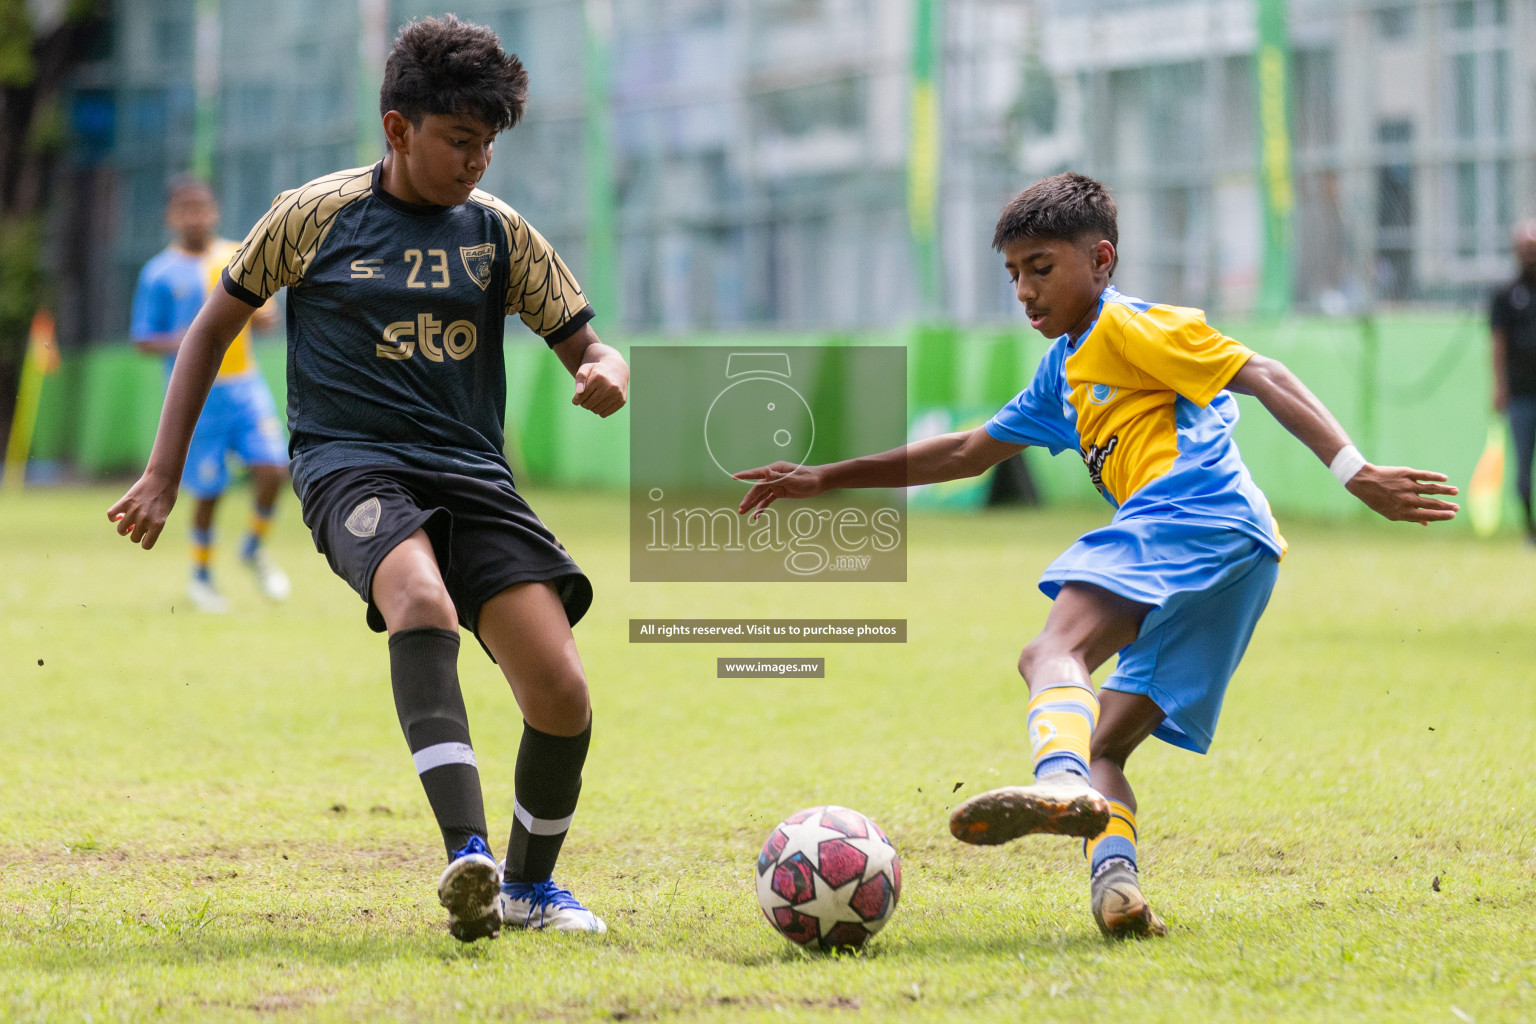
923,149
1272,66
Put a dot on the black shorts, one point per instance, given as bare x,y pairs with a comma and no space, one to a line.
484,534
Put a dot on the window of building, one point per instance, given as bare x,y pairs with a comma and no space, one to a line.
1314,93
802,109
1394,209
1478,176
1394,23
782,11
173,39
1469,14
1394,196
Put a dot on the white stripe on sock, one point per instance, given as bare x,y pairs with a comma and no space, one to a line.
440,754
541,826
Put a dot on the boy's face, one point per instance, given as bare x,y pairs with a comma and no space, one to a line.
444,156
1059,281
193,217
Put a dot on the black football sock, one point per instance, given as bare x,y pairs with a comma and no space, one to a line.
548,785
424,667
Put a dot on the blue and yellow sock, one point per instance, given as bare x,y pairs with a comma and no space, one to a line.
261,522
202,554
1060,725
1117,840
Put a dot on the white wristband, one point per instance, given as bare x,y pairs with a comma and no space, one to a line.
1347,463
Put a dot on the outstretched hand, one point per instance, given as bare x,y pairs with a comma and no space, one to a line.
141,513
1402,494
778,480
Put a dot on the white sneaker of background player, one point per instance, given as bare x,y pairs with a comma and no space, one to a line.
272,580
205,597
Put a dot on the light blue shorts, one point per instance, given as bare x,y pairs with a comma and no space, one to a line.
1207,588
239,418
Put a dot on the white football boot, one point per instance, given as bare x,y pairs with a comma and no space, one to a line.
544,905
470,889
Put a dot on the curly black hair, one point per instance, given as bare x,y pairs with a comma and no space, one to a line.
1070,206
187,182
447,66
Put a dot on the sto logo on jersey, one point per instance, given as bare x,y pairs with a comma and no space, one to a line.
403,337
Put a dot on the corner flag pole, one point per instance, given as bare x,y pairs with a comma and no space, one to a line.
41,358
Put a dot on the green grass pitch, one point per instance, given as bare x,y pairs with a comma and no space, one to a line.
216,819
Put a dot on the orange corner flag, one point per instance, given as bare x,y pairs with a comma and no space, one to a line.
42,358
41,342
1485,496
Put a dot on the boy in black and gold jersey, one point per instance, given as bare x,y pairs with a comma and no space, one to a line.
399,278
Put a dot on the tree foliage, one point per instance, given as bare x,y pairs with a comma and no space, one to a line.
40,45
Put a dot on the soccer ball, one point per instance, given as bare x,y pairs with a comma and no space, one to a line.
828,878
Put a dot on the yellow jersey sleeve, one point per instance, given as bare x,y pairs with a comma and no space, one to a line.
1175,346
278,248
540,288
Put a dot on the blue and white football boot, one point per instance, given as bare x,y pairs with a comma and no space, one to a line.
471,890
540,905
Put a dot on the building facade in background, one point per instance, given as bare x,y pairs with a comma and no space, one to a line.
746,164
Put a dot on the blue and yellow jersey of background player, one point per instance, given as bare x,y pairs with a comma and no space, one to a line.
240,417
1176,582
171,289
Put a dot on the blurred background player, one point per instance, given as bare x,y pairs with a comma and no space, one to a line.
1175,584
1512,320
240,417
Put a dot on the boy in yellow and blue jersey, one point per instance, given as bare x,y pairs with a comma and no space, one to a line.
1176,582
240,417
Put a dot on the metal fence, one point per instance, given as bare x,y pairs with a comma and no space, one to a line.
728,164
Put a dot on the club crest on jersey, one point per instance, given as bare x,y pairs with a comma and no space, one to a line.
477,260
1099,394
364,520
